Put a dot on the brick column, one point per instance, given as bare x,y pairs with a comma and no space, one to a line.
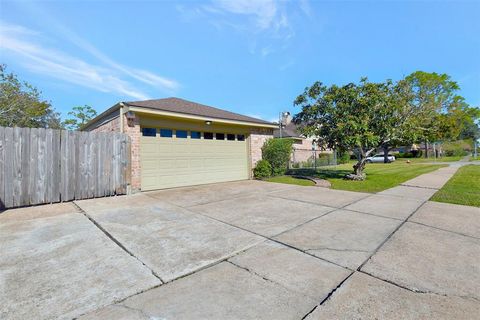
132,129
258,136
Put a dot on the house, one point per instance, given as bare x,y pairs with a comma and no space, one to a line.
175,142
303,147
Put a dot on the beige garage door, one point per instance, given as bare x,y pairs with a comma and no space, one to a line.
187,158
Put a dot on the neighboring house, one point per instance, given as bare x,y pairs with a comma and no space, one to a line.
176,143
302,146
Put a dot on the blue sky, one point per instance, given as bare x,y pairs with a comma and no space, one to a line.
251,57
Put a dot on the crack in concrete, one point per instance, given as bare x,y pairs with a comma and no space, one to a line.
257,274
329,295
118,243
419,187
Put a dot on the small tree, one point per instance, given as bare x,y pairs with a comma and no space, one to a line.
80,116
277,152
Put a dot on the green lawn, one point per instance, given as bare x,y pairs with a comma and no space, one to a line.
291,180
380,176
462,188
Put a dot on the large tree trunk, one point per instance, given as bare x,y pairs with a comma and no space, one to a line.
425,143
385,153
359,166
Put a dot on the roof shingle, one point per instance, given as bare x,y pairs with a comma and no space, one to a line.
192,108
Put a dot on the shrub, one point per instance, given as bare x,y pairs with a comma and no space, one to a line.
262,170
343,158
404,155
456,148
277,152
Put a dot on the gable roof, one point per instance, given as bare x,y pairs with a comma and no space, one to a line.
182,106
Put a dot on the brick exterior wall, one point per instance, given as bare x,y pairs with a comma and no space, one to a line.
257,139
132,129
302,151
111,126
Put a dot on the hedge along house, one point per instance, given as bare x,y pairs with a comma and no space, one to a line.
177,143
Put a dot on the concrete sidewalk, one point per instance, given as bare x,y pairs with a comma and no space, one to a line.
245,250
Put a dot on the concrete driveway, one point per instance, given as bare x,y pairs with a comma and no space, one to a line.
243,250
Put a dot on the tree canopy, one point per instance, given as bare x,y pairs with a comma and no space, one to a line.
21,104
367,116
79,117
358,117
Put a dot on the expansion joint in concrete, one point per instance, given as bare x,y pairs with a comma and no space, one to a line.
118,243
390,235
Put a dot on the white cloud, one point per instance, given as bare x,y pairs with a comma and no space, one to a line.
107,76
264,11
265,23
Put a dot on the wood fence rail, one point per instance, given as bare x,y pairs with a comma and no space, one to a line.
45,165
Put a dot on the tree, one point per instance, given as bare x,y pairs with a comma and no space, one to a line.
21,104
433,96
359,117
398,117
80,117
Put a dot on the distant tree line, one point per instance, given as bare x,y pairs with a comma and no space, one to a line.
22,105
366,116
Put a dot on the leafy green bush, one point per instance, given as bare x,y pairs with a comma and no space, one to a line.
262,170
277,152
404,155
343,158
456,148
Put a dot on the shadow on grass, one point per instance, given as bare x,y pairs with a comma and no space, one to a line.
320,173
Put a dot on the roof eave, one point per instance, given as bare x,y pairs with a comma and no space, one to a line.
101,115
198,117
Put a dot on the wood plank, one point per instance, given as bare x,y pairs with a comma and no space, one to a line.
48,165
115,148
99,190
17,166
56,163
92,163
41,168
79,177
9,155
108,167
2,168
24,198
63,165
69,166
73,163
32,165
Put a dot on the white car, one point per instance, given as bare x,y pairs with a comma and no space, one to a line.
378,158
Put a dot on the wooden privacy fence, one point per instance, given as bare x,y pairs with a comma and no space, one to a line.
45,165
